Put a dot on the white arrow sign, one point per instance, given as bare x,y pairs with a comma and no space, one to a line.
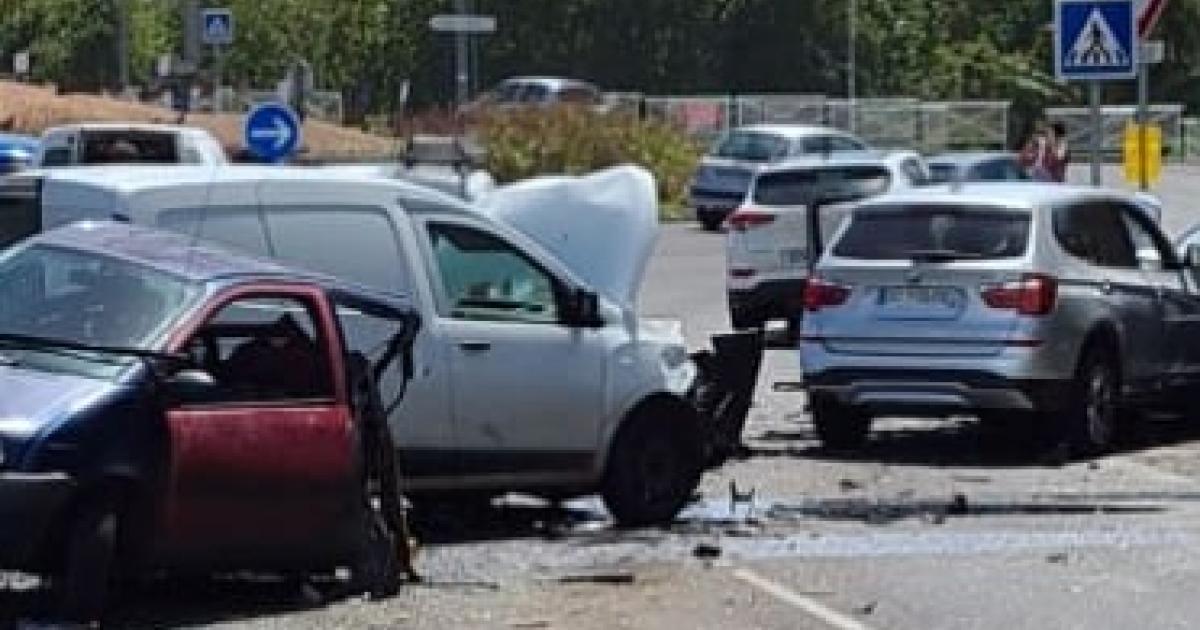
280,130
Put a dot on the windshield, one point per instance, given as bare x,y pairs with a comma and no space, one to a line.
821,185
751,146
935,233
66,296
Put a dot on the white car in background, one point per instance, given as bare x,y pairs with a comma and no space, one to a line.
768,240
721,181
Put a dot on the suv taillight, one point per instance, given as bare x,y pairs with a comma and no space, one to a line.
1033,294
819,294
746,218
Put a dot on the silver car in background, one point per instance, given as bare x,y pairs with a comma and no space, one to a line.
724,175
1056,304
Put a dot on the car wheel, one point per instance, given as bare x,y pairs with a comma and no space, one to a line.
839,426
89,561
1095,411
711,224
654,467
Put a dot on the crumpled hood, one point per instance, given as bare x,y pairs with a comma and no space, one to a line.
603,226
29,398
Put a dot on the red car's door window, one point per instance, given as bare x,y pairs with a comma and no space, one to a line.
263,461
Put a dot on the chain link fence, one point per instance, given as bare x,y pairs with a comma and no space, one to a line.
883,122
1114,119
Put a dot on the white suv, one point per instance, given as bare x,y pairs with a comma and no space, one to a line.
768,238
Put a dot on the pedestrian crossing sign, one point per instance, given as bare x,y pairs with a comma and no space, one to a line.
1095,39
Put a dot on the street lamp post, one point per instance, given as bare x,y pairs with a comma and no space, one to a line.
852,69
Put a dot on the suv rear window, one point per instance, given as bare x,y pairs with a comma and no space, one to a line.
751,146
934,232
822,185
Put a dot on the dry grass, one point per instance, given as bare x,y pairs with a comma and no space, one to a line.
31,109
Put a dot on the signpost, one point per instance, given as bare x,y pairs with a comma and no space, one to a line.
1095,40
272,131
463,25
217,31
1152,53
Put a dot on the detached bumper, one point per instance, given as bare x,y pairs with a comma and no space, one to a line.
771,299
29,504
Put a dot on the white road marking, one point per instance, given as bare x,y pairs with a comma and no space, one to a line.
814,608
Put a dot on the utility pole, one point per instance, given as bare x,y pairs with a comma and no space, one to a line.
462,60
852,70
122,8
191,30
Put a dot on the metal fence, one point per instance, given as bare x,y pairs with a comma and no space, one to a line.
883,122
1114,120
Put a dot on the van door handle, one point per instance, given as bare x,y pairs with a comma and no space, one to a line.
475,346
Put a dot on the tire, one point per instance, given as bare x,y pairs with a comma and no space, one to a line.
89,560
653,469
711,224
838,426
1093,417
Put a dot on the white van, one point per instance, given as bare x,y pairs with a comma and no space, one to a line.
127,143
533,371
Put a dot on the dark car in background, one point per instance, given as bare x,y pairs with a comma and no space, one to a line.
967,166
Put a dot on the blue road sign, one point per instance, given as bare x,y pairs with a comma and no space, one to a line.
272,131
218,27
1095,40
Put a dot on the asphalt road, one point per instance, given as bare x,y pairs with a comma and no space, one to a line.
934,525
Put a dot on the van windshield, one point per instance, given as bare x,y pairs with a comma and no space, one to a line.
821,185
934,233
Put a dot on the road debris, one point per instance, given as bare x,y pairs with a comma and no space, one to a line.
867,608
1057,558
849,485
623,577
706,551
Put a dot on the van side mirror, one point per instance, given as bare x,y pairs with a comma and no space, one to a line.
583,310
192,386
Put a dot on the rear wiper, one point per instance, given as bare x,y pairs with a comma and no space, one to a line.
75,347
940,255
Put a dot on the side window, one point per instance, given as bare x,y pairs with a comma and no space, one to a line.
263,350
1153,252
991,171
484,278
840,143
236,227
812,145
1095,232
356,243
57,156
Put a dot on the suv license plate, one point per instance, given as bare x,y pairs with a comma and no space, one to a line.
922,297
